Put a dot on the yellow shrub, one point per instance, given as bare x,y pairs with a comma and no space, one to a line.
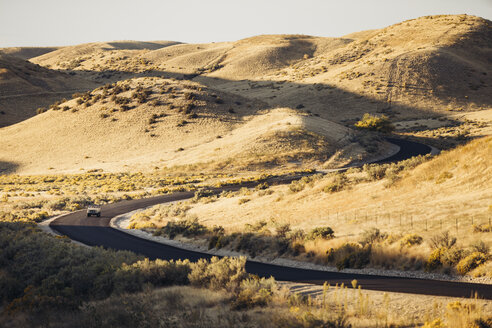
471,262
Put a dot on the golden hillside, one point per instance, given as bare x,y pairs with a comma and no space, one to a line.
454,184
145,123
25,86
310,86
450,192
410,69
26,52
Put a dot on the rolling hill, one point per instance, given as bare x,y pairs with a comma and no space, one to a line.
25,86
411,69
293,98
143,123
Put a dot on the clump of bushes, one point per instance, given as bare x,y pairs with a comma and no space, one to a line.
298,185
61,275
442,240
482,228
321,233
471,262
446,255
411,240
186,228
371,236
349,255
141,95
338,182
391,171
225,273
375,123
254,292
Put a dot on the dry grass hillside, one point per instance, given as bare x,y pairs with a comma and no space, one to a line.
443,188
27,52
145,123
430,63
410,207
410,69
25,86
423,68
80,56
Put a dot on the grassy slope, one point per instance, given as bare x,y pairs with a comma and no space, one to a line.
336,78
455,185
25,86
181,123
424,65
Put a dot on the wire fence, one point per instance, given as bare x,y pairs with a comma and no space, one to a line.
414,222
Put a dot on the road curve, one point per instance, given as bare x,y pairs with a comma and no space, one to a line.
97,232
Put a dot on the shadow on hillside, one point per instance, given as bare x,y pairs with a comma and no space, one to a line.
336,104
8,167
318,99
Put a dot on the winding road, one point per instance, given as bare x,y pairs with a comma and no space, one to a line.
97,232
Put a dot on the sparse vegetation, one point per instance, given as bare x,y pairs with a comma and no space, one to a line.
375,123
421,214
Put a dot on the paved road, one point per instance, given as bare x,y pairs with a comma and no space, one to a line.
96,232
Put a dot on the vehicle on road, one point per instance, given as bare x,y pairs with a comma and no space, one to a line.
94,210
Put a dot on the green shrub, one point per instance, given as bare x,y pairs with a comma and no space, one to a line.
337,184
40,110
375,171
202,193
482,228
434,260
444,256
225,273
375,123
321,233
187,228
411,240
262,186
254,292
350,255
471,262
40,272
215,242
296,186
56,273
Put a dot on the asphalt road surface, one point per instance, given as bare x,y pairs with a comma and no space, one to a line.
96,231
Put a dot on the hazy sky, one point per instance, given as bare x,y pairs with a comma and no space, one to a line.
66,22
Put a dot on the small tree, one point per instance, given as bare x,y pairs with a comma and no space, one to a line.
375,123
